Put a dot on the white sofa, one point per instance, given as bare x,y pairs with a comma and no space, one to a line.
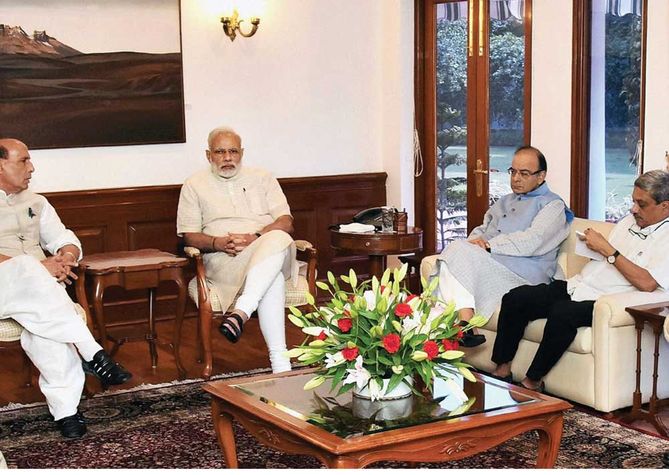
598,369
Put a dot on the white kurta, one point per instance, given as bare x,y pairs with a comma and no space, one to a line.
475,280
245,203
35,299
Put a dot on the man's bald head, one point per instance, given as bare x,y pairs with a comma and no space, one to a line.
15,166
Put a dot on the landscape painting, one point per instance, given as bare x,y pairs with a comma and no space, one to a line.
81,73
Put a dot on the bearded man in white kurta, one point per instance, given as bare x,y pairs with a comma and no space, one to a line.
241,218
32,293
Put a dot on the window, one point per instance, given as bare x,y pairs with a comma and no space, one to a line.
609,154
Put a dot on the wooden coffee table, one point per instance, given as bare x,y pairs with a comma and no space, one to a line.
280,414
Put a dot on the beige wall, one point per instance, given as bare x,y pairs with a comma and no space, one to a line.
326,87
316,91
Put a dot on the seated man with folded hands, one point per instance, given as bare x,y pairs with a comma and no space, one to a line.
240,217
32,293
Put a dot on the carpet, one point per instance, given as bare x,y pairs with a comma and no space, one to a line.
171,427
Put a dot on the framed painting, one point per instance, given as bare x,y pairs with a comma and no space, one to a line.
82,73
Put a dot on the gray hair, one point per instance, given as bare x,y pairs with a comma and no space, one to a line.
655,183
222,131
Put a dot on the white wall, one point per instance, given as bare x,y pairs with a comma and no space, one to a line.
314,92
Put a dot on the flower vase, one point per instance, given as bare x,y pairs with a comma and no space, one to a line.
383,410
400,391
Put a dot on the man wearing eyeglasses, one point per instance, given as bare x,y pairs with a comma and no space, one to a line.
241,218
517,244
634,257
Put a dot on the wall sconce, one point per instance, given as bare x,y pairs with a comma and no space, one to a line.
231,24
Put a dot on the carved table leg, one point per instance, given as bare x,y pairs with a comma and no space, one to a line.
224,433
549,442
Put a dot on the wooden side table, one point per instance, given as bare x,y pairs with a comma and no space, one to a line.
378,245
653,314
132,270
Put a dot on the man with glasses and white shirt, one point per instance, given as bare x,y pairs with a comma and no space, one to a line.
635,257
240,217
517,244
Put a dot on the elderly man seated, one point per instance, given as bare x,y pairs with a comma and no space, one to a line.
32,293
517,244
633,258
241,218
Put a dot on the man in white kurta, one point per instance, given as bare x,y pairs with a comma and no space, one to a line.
241,218
32,292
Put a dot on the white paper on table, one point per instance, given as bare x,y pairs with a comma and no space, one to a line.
356,228
582,249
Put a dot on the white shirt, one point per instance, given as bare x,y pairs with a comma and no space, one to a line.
652,253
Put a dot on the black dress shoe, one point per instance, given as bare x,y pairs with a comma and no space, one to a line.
73,426
106,369
470,339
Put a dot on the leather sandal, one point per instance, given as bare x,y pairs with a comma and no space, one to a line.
471,339
229,329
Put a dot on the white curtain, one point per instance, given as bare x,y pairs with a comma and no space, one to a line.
499,9
623,7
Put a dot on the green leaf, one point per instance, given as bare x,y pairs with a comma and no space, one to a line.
463,408
467,374
452,354
322,285
345,278
331,278
402,272
310,299
295,311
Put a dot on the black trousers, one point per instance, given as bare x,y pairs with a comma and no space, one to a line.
531,302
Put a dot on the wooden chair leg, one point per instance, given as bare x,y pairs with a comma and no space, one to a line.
27,370
206,317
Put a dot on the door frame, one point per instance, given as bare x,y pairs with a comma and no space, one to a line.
425,111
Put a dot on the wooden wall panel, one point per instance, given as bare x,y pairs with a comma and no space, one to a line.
142,217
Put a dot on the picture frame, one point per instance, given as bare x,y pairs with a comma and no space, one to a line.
85,73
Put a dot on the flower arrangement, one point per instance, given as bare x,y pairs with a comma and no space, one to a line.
380,331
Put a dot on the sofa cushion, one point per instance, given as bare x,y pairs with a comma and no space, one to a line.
535,331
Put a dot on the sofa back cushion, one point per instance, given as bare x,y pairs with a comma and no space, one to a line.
571,263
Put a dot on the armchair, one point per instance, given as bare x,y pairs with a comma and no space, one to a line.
209,306
598,369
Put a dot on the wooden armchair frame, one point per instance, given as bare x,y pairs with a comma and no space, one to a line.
206,314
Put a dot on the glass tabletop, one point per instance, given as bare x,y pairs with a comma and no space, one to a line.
348,416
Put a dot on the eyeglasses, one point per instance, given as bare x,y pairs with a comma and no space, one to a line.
221,152
523,173
643,236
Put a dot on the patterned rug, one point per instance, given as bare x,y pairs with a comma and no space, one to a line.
171,427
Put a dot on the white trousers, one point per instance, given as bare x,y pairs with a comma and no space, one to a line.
53,330
450,289
265,291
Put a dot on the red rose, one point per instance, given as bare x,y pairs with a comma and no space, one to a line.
431,348
350,353
323,336
391,342
450,345
460,333
402,310
345,324
410,297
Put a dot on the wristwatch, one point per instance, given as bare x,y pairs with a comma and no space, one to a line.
612,258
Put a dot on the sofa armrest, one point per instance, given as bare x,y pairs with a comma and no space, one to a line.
610,311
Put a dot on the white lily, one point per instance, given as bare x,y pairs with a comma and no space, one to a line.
359,375
374,390
370,298
334,359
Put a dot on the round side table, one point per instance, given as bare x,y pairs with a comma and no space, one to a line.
378,245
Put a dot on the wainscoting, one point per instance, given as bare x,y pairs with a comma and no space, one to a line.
145,217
